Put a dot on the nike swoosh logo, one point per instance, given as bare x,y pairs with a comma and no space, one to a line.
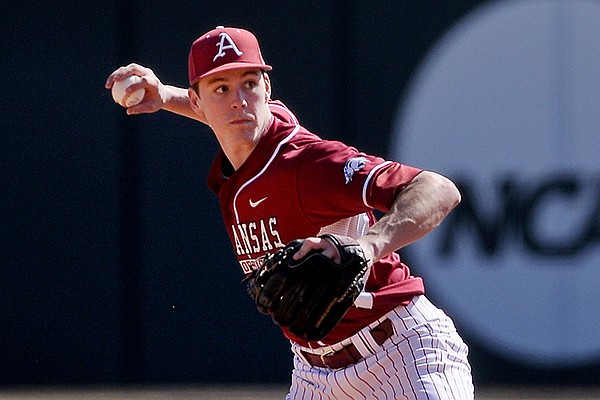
256,203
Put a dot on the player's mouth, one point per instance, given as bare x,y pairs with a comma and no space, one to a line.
242,121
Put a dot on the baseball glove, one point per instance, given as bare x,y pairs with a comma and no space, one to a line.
311,295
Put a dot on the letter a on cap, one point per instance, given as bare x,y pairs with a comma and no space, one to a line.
244,52
222,47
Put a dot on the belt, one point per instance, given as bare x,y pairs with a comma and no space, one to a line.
349,354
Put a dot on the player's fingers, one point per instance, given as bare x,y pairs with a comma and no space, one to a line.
117,75
319,244
331,251
144,107
309,245
123,72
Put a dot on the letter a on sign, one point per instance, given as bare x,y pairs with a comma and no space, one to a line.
222,46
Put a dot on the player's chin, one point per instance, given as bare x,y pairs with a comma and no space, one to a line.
246,129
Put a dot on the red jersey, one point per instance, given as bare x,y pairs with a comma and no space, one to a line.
295,185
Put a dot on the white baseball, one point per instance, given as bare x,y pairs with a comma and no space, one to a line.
118,91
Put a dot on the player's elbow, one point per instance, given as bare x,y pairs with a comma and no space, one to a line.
443,189
450,196
453,194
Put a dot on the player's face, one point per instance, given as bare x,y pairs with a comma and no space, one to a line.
235,104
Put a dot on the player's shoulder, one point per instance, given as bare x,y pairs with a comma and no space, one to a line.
301,140
317,150
282,112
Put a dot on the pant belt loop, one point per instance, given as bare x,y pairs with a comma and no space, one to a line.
323,356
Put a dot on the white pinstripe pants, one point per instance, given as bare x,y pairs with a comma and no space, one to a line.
424,359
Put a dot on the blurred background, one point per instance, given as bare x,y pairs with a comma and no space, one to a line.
114,265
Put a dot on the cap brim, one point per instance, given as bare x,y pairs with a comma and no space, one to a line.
230,66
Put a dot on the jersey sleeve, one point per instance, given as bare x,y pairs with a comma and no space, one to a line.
335,181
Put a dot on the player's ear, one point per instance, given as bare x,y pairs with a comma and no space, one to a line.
195,102
267,86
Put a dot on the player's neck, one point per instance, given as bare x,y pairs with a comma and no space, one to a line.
238,155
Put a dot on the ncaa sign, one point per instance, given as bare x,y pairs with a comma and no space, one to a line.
507,105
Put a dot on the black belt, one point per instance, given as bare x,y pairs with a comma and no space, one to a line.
349,354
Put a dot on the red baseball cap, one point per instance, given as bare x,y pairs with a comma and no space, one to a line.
223,49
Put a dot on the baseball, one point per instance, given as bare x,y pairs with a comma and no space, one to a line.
118,91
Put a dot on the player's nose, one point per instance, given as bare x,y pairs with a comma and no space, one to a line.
239,100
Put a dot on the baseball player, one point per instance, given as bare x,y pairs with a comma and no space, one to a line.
276,182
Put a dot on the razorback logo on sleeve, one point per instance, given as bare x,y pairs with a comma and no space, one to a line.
352,166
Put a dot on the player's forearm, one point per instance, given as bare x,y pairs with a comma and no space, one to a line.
418,209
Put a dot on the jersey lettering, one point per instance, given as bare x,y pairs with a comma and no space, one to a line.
222,47
266,242
250,265
243,231
274,233
236,241
256,237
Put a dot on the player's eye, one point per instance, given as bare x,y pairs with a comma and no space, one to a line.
221,89
251,84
